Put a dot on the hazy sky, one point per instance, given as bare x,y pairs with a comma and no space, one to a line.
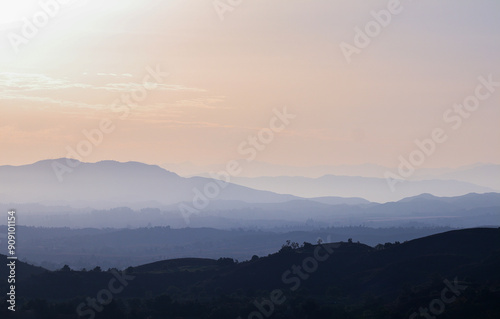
226,77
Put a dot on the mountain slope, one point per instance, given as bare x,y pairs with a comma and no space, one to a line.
23,270
110,183
370,188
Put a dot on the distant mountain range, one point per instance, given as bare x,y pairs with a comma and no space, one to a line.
481,174
370,188
108,192
108,184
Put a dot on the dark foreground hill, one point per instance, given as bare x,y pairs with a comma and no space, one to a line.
453,275
23,270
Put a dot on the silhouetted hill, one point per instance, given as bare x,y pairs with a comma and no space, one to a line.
353,268
332,280
175,265
23,270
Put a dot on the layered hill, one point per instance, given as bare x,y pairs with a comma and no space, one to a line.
112,184
355,269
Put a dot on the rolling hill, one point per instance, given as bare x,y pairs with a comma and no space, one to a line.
393,279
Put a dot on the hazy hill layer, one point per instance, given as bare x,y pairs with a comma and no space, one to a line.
112,184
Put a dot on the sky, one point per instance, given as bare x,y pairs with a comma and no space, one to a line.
195,79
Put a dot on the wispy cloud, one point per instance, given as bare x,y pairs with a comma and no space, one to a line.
130,86
128,75
66,92
17,82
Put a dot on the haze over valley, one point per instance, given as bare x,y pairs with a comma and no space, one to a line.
231,159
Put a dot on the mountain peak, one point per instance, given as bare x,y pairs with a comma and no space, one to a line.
425,196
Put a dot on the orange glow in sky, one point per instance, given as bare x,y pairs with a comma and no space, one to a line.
62,71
